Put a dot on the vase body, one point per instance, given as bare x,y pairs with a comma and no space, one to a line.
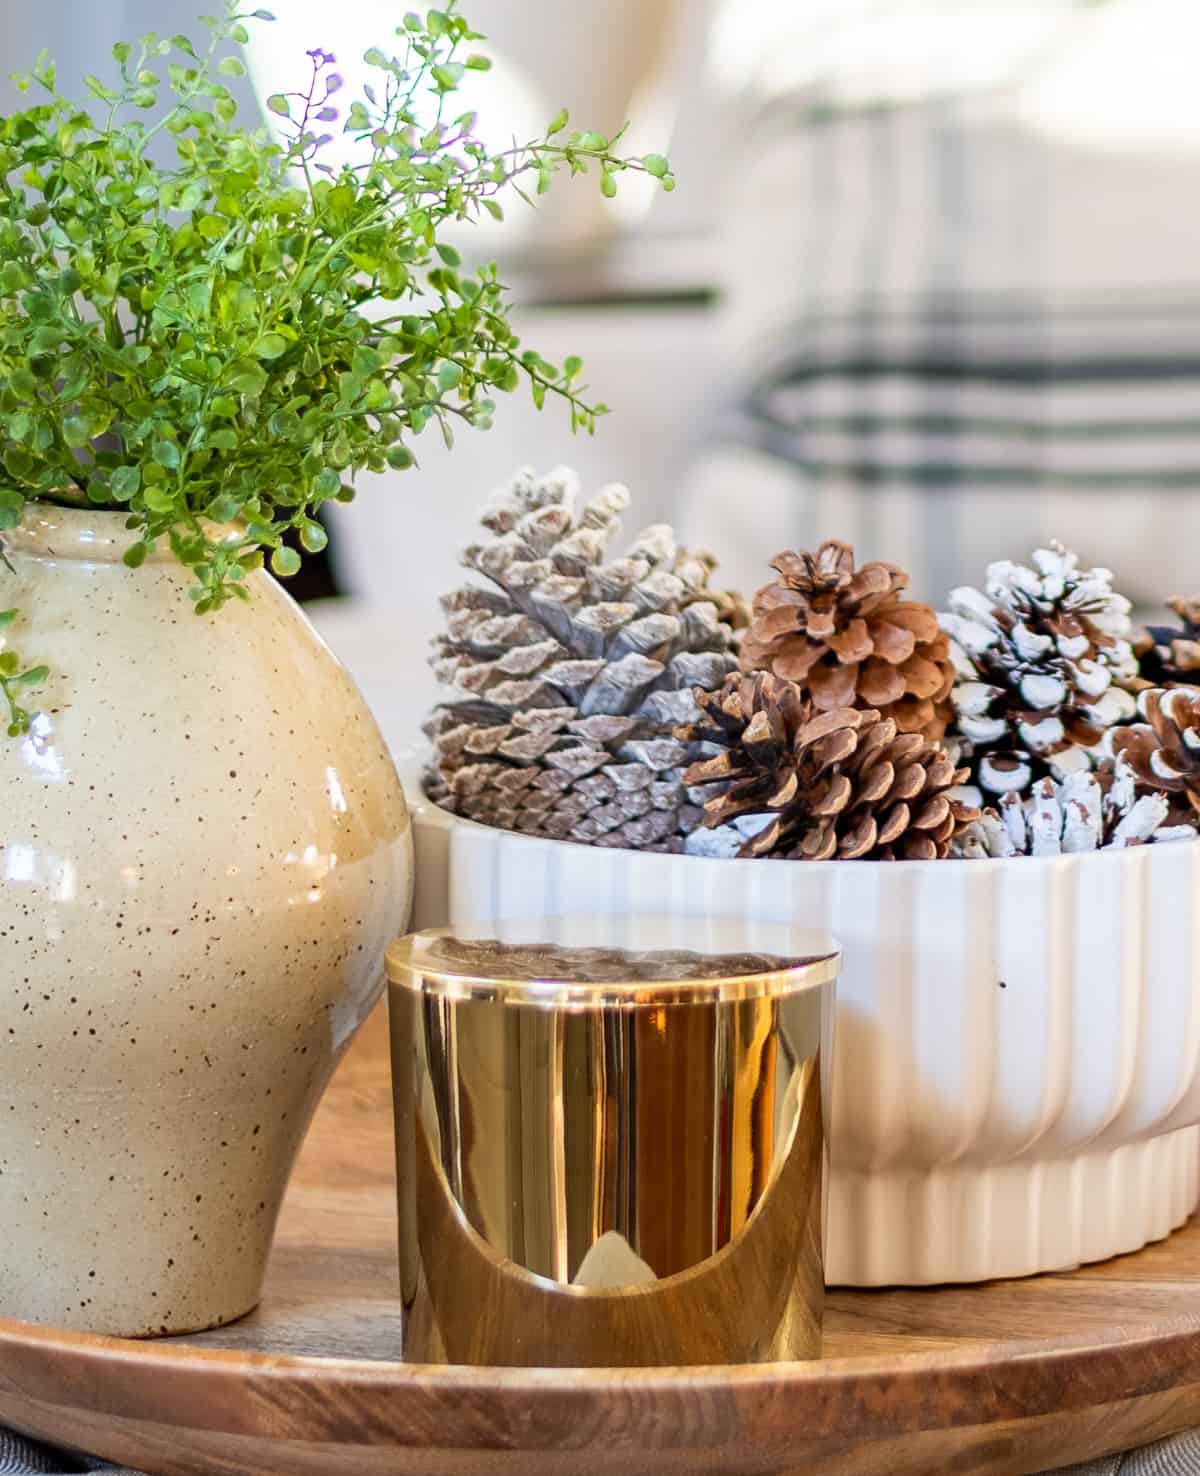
1017,1066
205,850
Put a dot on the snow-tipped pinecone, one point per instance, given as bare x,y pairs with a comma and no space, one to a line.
1164,750
830,784
1168,655
572,670
850,639
1040,658
1086,811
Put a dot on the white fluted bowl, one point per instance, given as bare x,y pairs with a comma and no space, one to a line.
1017,1075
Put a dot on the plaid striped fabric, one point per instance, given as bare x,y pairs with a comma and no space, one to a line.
952,337
19,1457
1178,1456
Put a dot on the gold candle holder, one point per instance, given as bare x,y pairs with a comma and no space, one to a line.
610,1141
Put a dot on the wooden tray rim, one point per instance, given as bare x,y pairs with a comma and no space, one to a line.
890,1395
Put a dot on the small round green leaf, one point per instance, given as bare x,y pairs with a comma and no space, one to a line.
313,537
12,508
76,431
158,499
271,345
126,482
224,509
247,378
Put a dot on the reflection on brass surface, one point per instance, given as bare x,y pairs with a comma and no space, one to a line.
612,1186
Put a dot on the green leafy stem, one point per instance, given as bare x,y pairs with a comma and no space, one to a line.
14,682
203,324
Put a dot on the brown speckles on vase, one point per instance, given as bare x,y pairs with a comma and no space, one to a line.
182,976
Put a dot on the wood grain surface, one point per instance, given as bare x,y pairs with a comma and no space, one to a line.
1013,1377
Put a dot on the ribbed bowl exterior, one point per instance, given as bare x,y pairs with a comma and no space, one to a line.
1017,1072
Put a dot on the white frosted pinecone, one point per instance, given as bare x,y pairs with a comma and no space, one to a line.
571,669
1042,658
1085,811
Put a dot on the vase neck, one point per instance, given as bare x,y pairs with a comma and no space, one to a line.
90,535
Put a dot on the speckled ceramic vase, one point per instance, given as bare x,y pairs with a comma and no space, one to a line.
204,851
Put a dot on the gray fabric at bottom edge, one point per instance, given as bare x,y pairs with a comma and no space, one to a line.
20,1457
1177,1455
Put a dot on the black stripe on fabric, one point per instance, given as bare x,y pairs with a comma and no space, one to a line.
963,473
587,299
991,308
1002,427
1060,372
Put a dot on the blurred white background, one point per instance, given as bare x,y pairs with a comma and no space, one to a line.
929,282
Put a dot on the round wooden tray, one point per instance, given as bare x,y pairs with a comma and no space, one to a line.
1012,1377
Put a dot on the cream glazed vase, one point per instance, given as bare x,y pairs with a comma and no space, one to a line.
205,850
1017,1068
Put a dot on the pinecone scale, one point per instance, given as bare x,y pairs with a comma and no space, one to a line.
571,671
1164,750
1169,656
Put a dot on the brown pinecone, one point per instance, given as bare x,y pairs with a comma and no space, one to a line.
851,640
572,671
1169,656
1164,751
840,783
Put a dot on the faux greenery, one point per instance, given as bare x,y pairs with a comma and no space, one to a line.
234,333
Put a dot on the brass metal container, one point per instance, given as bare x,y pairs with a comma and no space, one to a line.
610,1141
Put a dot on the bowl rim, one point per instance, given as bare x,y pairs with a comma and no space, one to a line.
425,809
